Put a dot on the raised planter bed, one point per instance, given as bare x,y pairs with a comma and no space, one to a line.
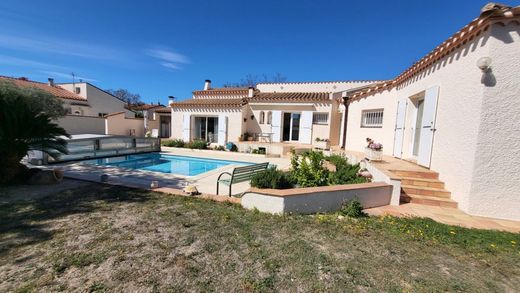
316,199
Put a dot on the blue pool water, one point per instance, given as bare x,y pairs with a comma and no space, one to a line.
187,166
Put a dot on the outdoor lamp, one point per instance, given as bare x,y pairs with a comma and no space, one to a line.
484,63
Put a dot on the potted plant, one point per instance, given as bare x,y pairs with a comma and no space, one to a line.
322,144
373,150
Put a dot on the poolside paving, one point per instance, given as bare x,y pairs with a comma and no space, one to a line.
205,182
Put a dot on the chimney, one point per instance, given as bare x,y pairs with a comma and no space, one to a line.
207,84
170,99
251,91
51,81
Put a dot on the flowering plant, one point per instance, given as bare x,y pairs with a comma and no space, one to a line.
376,146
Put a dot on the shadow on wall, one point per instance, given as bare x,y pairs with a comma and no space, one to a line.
488,79
463,51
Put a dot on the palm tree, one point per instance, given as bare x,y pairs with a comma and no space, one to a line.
24,128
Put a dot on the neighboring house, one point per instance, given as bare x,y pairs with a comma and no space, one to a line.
156,116
455,111
101,102
281,112
86,105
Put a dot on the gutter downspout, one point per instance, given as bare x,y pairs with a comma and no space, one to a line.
345,122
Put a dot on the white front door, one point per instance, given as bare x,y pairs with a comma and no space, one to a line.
186,127
276,125
399,128
428,126
306,127
222,129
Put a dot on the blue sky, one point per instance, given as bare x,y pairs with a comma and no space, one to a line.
161,48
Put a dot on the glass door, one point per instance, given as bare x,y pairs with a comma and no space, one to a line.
291,126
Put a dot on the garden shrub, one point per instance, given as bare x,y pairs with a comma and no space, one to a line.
307,169
219,148
353,208
198,144
271,178
345,172
176,143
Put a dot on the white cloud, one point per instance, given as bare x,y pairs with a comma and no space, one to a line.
171,65
56,46
168,58
68,76
168,55
14,61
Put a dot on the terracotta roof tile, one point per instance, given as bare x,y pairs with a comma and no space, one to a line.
294,97
54,90
224,90
214,103
143,107
492,13
163,109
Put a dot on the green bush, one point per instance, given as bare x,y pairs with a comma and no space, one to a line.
219,148
307,169
353,208
345,172
271,178
198,144
176,143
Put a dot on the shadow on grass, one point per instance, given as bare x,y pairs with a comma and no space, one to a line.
27,223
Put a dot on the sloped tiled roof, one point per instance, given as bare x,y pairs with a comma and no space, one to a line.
295,97
491,13
163,109
143,107
220,91
214,103
54,90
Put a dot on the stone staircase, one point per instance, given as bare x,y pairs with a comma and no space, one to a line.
424,187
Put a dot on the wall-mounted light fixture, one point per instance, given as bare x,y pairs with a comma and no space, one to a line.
484,63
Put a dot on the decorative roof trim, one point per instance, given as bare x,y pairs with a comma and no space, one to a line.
319,82
474,29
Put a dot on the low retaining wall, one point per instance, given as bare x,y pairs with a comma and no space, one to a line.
316,199
380,176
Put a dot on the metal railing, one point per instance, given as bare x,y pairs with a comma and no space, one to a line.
96,147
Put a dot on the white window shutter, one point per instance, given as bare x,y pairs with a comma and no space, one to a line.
306,127
186,127
399,128
222,129
276,126
428,126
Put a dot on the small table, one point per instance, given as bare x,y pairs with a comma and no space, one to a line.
268,135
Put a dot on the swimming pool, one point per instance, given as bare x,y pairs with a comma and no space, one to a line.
182,165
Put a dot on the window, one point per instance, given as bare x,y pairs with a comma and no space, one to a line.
269,117
320,118
262,117
78,90
77,113
372,118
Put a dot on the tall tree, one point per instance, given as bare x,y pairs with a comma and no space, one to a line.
127,96
253,80
38,100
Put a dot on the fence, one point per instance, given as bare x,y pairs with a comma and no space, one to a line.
95,147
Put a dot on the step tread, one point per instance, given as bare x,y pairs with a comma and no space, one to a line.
424,188
421,179
418,196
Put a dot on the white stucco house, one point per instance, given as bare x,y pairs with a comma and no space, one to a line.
455,111
295,112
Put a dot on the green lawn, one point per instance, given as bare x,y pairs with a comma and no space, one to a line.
98,238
